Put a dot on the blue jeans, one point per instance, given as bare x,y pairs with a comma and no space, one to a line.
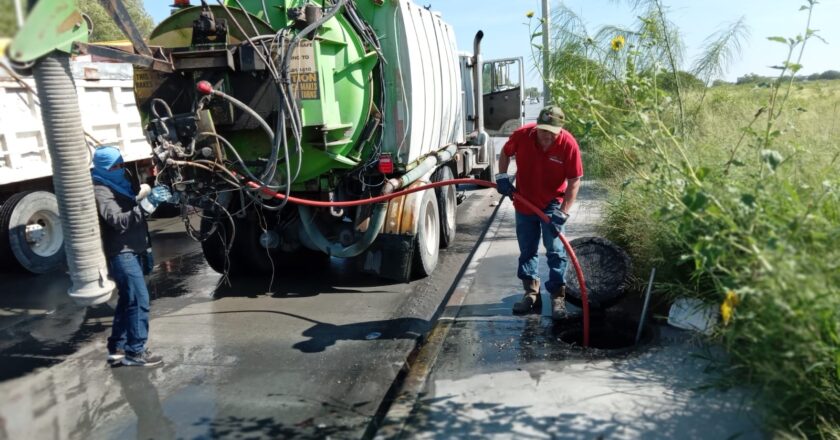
528,229
131,318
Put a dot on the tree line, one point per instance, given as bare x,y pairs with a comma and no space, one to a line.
104,29
752,78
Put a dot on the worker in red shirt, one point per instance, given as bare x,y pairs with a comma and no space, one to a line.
548,172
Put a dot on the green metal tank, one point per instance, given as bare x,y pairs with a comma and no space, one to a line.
329,100
331,74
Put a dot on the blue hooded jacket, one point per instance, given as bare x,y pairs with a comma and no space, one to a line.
104,158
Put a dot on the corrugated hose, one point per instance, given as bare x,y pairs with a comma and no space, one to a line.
71,179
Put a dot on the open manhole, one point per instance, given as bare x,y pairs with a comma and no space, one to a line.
607,333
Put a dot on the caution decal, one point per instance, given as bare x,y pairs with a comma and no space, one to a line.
303,72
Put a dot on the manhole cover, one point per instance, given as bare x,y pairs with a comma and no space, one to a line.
605,267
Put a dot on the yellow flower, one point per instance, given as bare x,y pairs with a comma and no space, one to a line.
728,306
530,14
617,43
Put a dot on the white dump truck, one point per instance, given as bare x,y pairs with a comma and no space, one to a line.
31,238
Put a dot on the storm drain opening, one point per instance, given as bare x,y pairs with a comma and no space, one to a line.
606,333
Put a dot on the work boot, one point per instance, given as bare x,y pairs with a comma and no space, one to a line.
558,304
531,301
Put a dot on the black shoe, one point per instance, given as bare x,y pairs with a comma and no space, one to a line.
115,357
145,359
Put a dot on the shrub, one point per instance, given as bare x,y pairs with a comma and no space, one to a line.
732,192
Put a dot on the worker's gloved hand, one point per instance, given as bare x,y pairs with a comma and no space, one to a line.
559,218
144,192
158,195
503,185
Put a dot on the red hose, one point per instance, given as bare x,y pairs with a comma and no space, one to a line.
584,296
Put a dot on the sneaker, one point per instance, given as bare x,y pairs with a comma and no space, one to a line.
145,359
115,357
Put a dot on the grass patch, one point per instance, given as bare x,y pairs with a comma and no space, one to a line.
732,192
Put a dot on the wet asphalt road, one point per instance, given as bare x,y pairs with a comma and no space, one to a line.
313,356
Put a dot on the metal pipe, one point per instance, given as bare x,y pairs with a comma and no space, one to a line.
645,307
19,13
546,37
71,179
426,164
333,249
477,86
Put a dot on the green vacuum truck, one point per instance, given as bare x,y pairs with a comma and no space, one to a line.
246,103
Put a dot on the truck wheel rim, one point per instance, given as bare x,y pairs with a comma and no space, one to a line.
430,223
43,233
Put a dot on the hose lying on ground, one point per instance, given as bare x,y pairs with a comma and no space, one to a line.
385,197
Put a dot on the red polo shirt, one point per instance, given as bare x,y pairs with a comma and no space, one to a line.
541,175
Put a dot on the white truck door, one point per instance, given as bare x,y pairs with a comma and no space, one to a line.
503,82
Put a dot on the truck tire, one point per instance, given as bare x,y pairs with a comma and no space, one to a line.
31,238
215,246
246,255
447,199
427,244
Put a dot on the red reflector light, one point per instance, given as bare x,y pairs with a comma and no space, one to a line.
181,3
386,164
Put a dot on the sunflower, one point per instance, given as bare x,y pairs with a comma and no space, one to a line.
617,43
530,14
728,306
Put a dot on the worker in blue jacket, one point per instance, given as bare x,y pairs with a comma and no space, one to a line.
127,246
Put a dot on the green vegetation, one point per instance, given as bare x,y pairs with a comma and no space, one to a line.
8,20
104,28
752,78
732,192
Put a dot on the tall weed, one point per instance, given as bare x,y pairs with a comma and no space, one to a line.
733,193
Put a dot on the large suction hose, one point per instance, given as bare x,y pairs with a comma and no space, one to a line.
71,179
380,211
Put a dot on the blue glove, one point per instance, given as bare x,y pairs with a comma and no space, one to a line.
504,185
158,195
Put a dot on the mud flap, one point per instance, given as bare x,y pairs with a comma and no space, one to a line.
389,257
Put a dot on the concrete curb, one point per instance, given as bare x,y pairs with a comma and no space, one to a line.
419,364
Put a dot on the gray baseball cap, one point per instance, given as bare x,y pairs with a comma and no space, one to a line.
551,119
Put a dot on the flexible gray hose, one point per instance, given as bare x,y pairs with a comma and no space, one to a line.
71,179
307,221
244,107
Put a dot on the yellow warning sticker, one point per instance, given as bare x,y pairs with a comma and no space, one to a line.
303,72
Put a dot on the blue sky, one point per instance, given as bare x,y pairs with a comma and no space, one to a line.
506,34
